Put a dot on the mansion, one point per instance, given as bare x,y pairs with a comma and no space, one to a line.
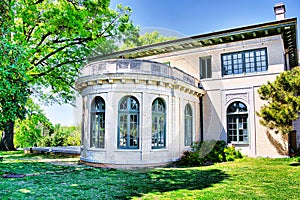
145,106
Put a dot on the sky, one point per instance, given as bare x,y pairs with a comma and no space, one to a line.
183,18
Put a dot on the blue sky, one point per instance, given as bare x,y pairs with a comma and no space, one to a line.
186,18
192,17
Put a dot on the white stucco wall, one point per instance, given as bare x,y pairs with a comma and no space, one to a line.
222,90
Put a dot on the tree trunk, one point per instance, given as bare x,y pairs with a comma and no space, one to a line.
7,140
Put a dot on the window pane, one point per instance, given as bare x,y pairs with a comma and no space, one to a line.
209,68
244,62
128,123
98,123
205,67
158,124
237,122
188,126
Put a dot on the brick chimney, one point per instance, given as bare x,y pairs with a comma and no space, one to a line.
279,10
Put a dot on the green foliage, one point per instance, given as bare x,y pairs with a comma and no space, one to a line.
63,136
146,39
231,154
283,101
13,81
43,44
208,152
29,132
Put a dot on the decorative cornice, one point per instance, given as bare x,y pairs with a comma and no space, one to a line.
85,82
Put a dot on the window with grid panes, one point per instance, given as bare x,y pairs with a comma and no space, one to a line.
158,124
98,123
245,62
237,123
128,129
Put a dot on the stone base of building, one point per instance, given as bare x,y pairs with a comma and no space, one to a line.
124,166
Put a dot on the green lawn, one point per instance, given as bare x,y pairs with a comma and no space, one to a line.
49,177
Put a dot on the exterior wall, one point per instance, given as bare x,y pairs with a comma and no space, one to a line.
268,143
175,101
223,90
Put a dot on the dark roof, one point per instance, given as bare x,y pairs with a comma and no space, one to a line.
287,28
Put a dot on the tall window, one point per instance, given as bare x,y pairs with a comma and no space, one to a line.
98,123
237,122
158,124
205,67
128,132
188,125
245,62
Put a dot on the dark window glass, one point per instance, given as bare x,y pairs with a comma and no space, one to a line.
188,125
237,123
158,124
98,123
245,62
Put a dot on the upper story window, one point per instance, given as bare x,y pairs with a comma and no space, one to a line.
245,62
205,67
98,123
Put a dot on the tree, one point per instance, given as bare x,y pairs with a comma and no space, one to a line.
283,97
146,39
30,131
43,45
13,89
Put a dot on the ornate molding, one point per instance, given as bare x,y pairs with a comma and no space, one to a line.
243,96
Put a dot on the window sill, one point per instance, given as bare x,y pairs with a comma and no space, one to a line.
128,150
239,143
96,149
160,150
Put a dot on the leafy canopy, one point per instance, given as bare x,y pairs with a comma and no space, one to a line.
145,39
44,43
13,81
283,97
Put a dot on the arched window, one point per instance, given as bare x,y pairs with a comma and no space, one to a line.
158,124
98,123
188,125
237,123
128,131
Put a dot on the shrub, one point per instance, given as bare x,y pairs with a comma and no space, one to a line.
63,136
190,159
207,152
231,154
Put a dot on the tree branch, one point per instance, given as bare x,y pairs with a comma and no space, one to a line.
43,39
54,67
30,32
109,25
56,51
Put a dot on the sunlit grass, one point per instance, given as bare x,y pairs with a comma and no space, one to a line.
242,179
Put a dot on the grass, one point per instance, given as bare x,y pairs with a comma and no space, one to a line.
56,177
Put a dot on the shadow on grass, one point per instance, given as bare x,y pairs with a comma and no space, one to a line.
166,180
95,183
